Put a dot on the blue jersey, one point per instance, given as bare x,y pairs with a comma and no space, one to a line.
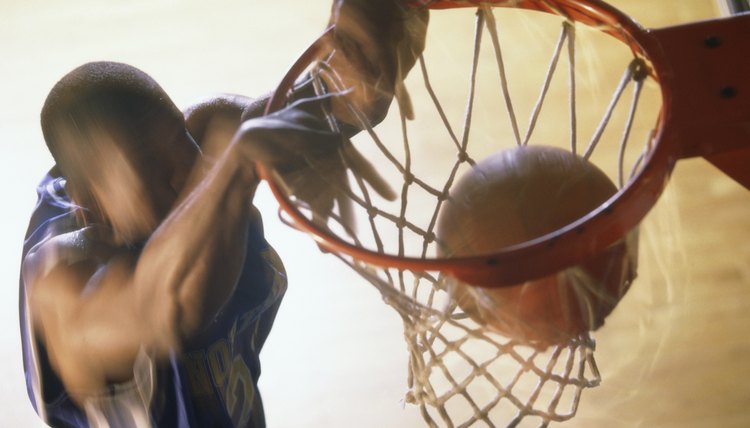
213,381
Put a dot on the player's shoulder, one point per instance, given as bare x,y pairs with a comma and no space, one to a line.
55,235
85,245
221,106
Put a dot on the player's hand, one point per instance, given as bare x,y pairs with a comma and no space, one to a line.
376,43
312,160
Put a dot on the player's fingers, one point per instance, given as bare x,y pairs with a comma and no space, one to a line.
346,211
362,167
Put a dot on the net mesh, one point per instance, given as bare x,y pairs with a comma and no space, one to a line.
461,373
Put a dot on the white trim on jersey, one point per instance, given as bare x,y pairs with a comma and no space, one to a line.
36,382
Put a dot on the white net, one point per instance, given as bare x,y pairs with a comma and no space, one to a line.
462,373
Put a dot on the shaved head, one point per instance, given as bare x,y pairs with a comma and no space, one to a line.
107,118
107,91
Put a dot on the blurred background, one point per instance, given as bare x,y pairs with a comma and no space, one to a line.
673,354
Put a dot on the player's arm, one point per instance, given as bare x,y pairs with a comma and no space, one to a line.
95,311
194,258
82,310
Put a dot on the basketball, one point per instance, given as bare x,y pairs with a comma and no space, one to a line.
517,195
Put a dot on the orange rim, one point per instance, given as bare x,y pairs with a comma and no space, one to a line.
567,246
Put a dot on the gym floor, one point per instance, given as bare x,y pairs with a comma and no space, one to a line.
674,353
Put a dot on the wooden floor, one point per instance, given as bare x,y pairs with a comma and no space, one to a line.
674,353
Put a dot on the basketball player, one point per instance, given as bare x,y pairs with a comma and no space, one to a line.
148,288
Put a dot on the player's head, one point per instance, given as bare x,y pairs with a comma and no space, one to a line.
121,143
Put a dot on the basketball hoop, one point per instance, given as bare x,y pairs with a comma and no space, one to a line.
696,98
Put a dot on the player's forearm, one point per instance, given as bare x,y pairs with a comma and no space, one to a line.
190,266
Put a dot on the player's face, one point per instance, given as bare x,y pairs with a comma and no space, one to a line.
133,189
